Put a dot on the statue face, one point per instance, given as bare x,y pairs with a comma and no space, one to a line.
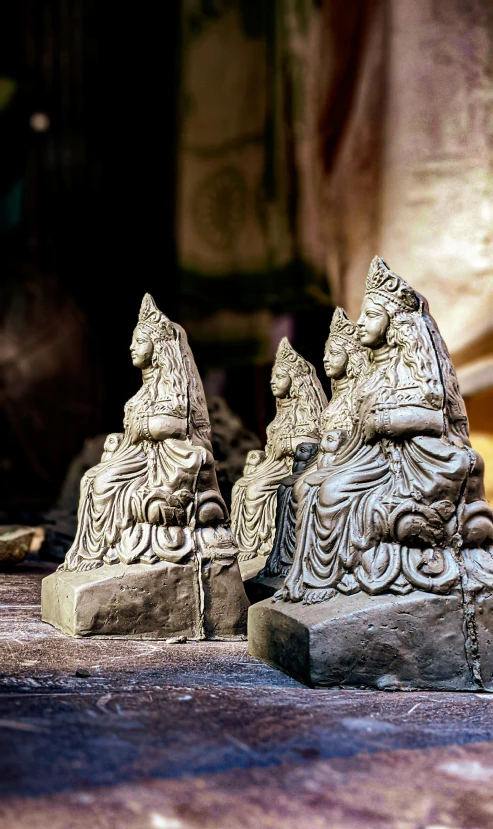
373,323
305,451
332,440
280,382
335,361
141,349
112,442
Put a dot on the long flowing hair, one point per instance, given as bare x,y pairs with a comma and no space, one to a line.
308,391
178,386
408,332
357,361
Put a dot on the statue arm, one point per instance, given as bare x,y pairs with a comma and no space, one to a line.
160,427
405,422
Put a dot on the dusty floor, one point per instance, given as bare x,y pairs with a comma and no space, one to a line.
184,736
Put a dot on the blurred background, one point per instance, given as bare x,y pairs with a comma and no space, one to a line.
242,160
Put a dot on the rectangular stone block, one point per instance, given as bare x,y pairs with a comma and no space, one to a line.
155,601
361,641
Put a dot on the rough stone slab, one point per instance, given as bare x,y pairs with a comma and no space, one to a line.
385,642
140,601
484,623
250,568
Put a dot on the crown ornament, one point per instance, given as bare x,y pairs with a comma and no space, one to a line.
289,359
390,287
153,321
343,330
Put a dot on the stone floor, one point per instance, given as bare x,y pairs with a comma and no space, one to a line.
205,737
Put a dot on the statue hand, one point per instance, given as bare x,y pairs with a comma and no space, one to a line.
370,427
134,431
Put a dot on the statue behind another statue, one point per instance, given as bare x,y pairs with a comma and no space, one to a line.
344,362
299,403
398,512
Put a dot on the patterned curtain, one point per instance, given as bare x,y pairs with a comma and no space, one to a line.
250,242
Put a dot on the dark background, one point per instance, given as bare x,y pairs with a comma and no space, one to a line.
87,214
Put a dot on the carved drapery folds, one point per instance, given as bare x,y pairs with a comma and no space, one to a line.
155,488
400,504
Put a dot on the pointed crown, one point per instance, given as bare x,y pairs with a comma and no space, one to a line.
289,359
390,287
153,321
342,329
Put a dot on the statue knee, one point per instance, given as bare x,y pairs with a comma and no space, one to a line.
300,491
254,491
477,524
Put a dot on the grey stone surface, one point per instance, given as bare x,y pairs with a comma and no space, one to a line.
385,642
148,601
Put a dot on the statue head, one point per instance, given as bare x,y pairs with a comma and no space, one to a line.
141,349
280,381
386,297
153,329
304,453
344,354
393,313
333,440
163,345
111,444
294,377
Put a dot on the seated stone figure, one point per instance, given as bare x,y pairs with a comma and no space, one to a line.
393,537
344,362
300,400
280,560
395,506
157,477
153,529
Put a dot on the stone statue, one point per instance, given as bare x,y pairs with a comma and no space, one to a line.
344,361
281,555
300,400
154,497
399,512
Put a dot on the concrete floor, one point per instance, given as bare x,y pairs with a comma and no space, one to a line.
187,736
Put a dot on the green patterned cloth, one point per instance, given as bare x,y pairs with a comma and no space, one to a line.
249,243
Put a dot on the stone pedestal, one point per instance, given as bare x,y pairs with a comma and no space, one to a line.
387,642
258,588
250,568
202,599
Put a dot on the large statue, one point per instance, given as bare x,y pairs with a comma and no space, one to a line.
344,361
400,510
300,400
154,497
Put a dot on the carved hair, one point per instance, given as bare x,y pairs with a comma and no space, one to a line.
179,384
408,332
455,410
357,360
305,385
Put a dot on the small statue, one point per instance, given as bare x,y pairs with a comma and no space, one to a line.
299,403
281,557
395,527
154,499
344,361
